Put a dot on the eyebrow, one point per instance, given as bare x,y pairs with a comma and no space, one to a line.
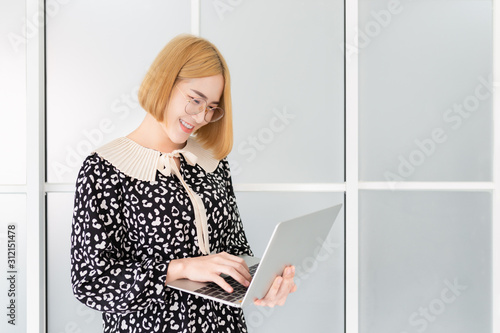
203,96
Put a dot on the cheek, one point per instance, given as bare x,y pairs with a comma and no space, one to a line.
170,115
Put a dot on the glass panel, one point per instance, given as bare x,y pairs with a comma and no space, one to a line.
425,90
318,304
97,55
425,262
65,312
287,73
13,262
13,90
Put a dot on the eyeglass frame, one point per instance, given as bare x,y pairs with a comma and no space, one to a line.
190,99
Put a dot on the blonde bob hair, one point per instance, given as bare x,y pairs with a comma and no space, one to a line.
186,57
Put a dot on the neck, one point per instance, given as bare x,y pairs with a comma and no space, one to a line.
152,134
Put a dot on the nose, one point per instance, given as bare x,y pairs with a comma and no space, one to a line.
199,118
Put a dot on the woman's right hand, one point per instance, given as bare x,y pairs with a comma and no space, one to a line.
209,269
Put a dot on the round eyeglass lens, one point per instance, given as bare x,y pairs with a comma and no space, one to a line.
214,114
197,105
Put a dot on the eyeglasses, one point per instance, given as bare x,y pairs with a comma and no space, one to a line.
195,106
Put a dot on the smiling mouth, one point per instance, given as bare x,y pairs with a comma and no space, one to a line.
186,126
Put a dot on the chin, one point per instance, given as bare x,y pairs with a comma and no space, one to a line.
178,139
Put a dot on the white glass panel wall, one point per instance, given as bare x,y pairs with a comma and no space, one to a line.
425,121
15,35
64,312
425,262
13,264
425,90
97,55
287,71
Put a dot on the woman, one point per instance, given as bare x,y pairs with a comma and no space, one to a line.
158,205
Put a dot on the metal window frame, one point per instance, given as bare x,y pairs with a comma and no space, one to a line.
35,176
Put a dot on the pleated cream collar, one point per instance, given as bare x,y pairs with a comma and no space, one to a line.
142,163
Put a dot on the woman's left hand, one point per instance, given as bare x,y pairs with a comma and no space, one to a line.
281,287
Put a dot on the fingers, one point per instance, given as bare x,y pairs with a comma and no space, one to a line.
235,267
209,268
271,298
242,277
222,283
280,289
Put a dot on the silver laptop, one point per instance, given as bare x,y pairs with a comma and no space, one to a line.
294,242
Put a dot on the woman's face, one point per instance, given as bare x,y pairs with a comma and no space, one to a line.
179,125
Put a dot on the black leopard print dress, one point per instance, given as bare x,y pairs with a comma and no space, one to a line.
126,230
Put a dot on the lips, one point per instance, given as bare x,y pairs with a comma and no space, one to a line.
186,127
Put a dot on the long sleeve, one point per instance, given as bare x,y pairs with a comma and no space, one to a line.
104,274
237,243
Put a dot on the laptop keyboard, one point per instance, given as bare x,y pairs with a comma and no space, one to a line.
213,289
